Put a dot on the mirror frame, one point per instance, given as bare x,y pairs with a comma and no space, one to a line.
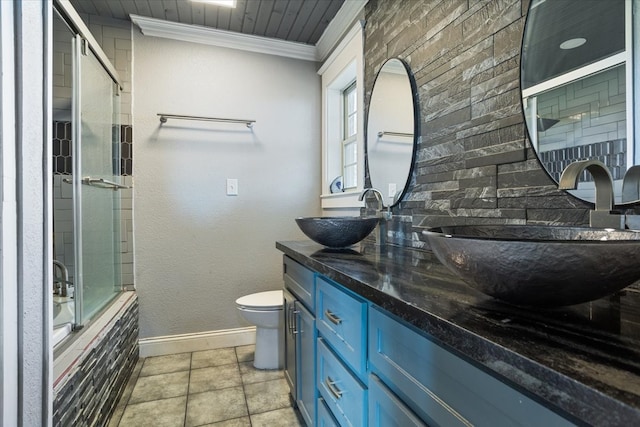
526,28
416,129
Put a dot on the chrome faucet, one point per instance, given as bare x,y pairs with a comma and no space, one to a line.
631,194
631,185
385,215
61,286
380,198
601,217
376,193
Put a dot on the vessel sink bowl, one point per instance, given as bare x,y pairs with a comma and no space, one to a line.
539,265
337,232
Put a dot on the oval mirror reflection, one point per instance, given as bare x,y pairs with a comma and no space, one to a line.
576,80
391,130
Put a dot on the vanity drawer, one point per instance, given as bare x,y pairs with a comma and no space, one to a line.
342,321
299,280
342,392
386,410
442,388
325,419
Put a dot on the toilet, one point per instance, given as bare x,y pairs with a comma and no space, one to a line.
264,310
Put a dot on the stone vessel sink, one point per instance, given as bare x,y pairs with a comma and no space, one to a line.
337,232
539,265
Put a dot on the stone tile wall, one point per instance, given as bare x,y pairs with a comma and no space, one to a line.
90,394
474,162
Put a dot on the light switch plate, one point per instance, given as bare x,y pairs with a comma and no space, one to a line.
232,187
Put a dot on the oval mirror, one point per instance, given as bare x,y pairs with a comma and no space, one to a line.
392,121
576,78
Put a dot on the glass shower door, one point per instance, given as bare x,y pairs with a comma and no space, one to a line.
98,205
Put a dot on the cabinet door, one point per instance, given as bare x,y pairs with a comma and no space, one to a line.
342,392
386,410
442,388
290,344
342,321
306,361
325,419
300,281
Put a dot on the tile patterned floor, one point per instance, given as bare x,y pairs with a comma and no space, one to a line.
205,388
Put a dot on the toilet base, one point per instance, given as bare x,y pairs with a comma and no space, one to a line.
269,352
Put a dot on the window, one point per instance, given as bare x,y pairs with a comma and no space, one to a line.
342,126
349,137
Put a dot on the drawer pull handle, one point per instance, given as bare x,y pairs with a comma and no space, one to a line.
295,330
337,393
332,317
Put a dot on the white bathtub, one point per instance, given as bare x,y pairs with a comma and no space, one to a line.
63,318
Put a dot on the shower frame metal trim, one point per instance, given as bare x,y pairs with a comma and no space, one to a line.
69,14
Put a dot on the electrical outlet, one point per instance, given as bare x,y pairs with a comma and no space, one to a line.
232,187
392,189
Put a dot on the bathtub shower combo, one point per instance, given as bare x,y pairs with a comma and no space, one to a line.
86,181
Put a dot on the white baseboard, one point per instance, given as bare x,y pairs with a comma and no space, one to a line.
184,343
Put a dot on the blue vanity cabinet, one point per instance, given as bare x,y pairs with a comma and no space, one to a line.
345,396
325,418
300,281
442,388
306,356
300,337
386,409
341,318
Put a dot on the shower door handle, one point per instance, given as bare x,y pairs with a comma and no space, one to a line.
103,183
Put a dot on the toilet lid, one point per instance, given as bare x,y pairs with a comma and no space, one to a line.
262,300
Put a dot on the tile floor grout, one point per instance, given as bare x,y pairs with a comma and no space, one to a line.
216,382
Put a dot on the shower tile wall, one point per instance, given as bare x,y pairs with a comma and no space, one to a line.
592,113
63,200
114,37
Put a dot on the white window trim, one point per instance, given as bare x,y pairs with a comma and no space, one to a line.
341,68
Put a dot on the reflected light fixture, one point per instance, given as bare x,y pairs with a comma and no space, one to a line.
572,43
225,3
545,124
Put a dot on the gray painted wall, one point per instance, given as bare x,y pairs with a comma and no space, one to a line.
197,249
474,162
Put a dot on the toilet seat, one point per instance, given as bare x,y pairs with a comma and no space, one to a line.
261,301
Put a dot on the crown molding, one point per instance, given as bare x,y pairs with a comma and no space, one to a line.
211,36
336,29
331,37
356,30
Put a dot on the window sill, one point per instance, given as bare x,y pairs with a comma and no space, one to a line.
347,199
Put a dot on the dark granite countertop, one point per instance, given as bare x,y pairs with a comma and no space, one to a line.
582,361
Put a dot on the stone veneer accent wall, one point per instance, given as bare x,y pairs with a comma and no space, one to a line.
88,396
474,162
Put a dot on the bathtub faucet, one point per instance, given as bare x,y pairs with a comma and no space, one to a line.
61,285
